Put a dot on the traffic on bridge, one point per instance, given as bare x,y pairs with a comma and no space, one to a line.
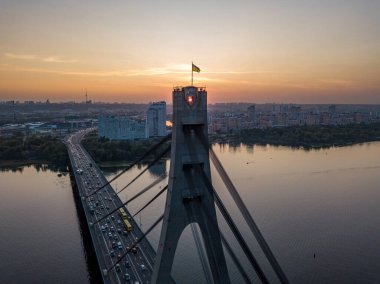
117,233
123,252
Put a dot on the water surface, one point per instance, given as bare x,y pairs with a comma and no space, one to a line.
323,202
40,237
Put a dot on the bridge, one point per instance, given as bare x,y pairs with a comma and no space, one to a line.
123,252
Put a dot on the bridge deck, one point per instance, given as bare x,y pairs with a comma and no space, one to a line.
135,267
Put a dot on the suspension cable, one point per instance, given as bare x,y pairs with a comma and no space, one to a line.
150,201
244,211
248,218
146,154
235,259
167,149
201,253
145,189
137,241
123,204
235,230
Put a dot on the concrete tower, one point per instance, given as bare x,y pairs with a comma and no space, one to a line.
188,199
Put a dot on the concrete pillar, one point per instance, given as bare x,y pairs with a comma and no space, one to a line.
188,199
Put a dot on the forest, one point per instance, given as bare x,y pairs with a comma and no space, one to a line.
311,136
33,149
105,150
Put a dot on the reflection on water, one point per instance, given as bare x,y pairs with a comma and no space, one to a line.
323,202
38,167
158,169
40,238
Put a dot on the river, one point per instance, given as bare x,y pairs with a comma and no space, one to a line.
323,202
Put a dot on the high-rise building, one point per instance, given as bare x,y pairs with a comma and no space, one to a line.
120,128
251,113
156,119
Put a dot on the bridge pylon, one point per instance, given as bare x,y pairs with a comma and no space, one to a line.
188,198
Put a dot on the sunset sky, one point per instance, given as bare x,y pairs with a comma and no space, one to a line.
304,51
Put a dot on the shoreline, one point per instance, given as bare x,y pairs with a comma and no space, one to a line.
308,146
14,164
231,140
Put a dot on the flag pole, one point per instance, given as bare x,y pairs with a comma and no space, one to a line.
191,73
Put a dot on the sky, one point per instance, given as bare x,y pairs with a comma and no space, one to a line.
304,51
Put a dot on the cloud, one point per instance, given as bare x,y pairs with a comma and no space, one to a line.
20,56
337,82
49,59
57,59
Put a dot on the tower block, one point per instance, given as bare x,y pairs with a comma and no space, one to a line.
188,199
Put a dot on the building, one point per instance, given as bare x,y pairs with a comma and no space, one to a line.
120,128
156,119
251,113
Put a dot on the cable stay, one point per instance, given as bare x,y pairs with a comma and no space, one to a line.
235,230
200,247
125,203
150,151
150,201
235,259
137,241
201,252
167,149
157,181
244,211
248,218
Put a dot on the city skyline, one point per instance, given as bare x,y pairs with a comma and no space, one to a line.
248,51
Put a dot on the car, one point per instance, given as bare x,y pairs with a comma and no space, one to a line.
119,245
127,277
114,245
134,250
127,264
112,253
118,269
119,231
143,268
110,235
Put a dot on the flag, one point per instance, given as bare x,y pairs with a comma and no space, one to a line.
195,68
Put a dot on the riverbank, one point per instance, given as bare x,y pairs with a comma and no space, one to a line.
20,150
105,151
37,164
304,136
23,150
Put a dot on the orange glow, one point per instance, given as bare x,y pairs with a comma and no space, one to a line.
190,100
134,52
